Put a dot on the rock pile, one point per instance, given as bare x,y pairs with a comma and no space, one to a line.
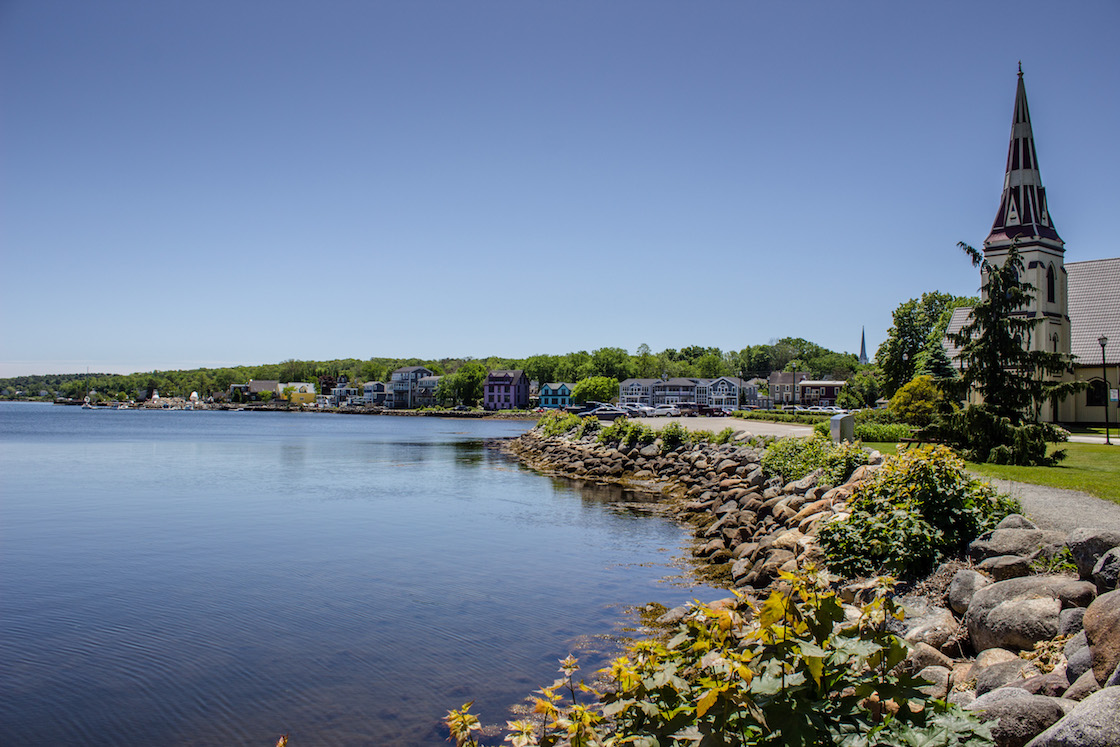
1037,653
750,526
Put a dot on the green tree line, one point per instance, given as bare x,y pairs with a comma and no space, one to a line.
611,362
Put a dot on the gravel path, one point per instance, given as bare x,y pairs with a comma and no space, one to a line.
1065,510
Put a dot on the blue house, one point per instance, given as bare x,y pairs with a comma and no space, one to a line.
556,395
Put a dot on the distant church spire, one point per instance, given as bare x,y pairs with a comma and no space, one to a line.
1023,213
862,347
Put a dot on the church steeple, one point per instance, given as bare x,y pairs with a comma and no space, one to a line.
1023,213
1024,219
862,347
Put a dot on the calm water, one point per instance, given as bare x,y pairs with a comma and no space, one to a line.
217,578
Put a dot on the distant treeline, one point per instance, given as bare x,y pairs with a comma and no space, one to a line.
617,363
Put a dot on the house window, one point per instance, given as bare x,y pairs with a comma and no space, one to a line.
1095,395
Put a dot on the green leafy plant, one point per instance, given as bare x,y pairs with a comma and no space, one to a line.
793,670
588,425
672,436
794,458
917,509
558,423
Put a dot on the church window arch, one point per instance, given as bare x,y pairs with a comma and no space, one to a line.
1095,395
1051,295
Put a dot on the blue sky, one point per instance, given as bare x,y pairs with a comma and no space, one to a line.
215,183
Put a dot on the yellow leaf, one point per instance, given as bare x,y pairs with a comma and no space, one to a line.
706,702
815,665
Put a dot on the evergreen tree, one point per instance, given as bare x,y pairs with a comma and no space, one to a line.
1011,381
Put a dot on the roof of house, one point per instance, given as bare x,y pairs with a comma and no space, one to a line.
1094,309
514,374
820,382
554,385
262,385
677,382
639,382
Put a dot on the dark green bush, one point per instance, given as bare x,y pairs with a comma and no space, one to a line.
919,508
983,436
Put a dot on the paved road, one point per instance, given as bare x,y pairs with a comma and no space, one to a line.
715,425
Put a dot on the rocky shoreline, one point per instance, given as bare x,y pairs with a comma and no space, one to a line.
1036,653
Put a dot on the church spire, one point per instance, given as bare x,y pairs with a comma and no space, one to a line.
1023,213
862,347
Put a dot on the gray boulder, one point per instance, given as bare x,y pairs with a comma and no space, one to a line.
924,623
1078,663
1018,719
1019,612
1005,673
1088,545
1016,521
1069,620
1106,573
1092,723
1024,542
965,583
1003,567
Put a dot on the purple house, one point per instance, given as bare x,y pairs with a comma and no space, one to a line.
506,390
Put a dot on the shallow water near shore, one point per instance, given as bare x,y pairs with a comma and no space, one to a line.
218,578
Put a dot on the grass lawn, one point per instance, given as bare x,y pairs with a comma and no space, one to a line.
1092,468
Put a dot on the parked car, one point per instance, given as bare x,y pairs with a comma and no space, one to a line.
715,412
607,412
667,411
636,409
689,409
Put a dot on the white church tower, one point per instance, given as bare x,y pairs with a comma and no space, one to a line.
1024,218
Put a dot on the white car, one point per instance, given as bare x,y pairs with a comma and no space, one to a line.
666,410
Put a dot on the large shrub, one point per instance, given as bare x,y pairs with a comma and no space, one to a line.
917,509
793,458
917,402
793,670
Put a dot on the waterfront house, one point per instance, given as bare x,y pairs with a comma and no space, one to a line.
426,391
556,394
506,390
823,393
344,394
404,383
374,393
674,391
636,391
730,392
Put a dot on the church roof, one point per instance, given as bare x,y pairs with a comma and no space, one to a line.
1023,213
1094,310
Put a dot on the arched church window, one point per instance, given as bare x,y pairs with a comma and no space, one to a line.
1050,295
1095,394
